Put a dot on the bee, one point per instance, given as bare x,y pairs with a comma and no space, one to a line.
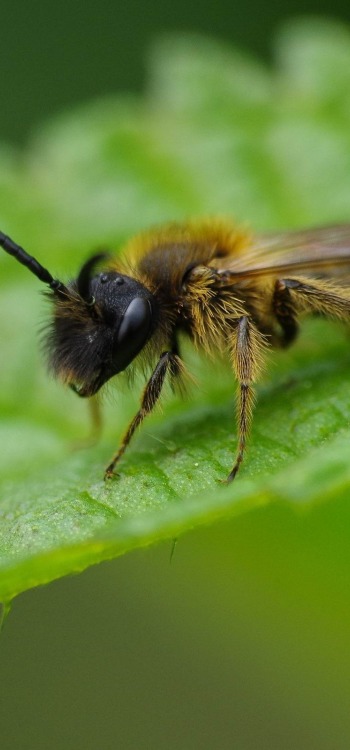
230,292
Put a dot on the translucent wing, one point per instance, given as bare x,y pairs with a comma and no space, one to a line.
321,251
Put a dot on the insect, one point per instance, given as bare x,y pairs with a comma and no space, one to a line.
228,291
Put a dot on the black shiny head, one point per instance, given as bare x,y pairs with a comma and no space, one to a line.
99,328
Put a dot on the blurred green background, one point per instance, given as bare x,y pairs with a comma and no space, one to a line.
243,640
54,55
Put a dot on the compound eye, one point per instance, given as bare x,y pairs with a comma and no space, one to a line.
133,332
136,321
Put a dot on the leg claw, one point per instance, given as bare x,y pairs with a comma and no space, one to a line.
110,474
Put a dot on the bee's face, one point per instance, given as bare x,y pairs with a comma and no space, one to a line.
94,338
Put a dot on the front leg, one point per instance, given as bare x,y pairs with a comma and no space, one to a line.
95,428
168,362
247,349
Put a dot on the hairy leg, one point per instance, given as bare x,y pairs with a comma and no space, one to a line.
285,312
169,362
247,349
319,296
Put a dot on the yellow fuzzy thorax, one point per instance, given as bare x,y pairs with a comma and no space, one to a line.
214,232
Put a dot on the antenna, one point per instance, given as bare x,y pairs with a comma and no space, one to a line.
32,264
84,278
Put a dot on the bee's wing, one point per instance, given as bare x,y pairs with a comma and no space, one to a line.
321,251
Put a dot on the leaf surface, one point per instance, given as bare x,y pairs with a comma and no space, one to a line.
215,134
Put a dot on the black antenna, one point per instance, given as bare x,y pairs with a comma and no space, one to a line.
32,264
84,277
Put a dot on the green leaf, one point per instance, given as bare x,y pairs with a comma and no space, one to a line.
216,133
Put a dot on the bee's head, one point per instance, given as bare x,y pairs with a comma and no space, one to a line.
100,322
99,326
